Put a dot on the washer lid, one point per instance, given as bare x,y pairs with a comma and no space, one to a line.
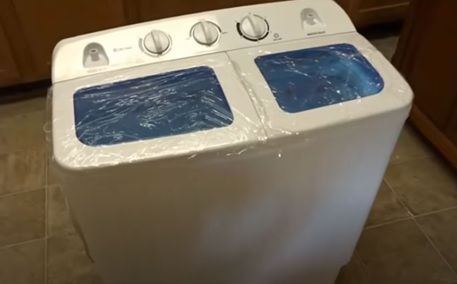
166,104
317,77
164,110
316,83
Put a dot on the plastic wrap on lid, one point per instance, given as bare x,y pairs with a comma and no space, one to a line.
154,111
155,106
316,77
305,85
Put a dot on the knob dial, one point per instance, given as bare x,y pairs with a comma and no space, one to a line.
253,27
157,42
206,33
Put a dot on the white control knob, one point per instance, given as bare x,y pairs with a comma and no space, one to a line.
206,33
157,42
253,27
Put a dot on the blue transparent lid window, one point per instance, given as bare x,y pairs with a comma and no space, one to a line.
161,105
311,78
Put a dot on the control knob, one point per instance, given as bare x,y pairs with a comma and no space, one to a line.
157,42
253,27
205,32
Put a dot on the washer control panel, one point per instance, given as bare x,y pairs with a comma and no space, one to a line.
197,34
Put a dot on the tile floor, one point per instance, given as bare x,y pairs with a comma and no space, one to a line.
410,235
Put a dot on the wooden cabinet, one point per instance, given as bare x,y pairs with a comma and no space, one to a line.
145,10
45,22
369,12
8,69
427,57
362,12
429,60
451,130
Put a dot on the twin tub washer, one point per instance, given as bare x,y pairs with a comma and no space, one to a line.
234,146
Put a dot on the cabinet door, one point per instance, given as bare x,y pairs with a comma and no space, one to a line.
146,10
451,130
8,70
45,22
152,10
368,12
252,2
427,57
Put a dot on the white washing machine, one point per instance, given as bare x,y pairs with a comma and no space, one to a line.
243,145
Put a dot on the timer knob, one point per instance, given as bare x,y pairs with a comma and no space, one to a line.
205,32
253,27
157,42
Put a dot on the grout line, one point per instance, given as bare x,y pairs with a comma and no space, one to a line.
367,228
430,241
435,212
391,164
45,262
364,268
398,198
23,191
35,148
46,204
409,211
388,183
21,243
410,215
414,219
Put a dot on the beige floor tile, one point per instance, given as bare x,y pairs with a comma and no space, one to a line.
22,264
59,220
353,273
22,132
424,185
442,229
21,217
410,146
386,207
24,106
68,263
24,170
399,253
